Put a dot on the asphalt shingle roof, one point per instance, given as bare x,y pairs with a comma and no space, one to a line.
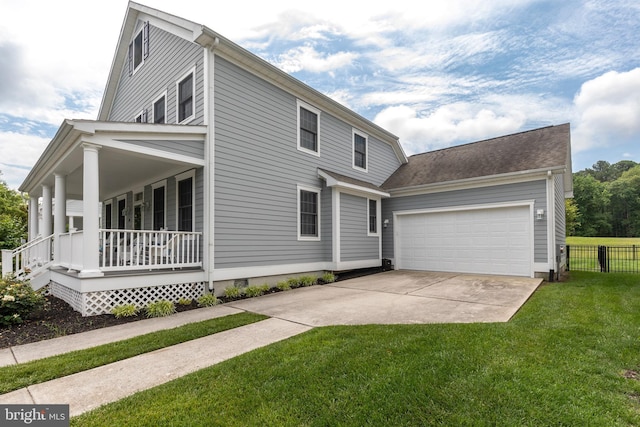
547,147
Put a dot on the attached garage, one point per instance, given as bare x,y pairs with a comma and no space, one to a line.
484,240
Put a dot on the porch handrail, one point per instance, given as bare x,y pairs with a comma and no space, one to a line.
28,259
149,249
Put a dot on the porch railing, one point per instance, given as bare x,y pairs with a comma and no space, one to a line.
27,260
71,249
143,249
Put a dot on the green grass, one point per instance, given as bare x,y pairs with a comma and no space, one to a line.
37,371
606,241
560,361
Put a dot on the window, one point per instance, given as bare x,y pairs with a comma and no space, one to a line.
185,201
308,214
186,98
360,143
308,129
122,212
139,48
158,216
142,117
160,110
138,217
107,215
373,217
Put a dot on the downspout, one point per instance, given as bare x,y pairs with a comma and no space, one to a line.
551,223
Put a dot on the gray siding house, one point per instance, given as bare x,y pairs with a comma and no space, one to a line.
208,167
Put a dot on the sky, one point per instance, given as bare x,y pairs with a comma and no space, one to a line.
436,73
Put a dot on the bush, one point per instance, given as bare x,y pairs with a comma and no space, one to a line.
328,278
125,310
208,300
293,282
233,292
283,285
160,308
307,280
185,301
254,291
18,300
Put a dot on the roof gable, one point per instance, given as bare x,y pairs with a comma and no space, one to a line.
539,150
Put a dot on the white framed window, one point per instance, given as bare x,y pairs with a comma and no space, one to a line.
308,128
186,97
122,212
159,109
141,117
139,48
138,209
159,205
186,200
360,150
308,213
108,215
373,217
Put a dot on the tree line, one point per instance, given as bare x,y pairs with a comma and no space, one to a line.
606,201
13,217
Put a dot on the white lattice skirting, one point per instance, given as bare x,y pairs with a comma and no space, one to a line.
101,302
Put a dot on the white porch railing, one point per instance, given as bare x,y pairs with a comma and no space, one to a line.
71,249
27,260
143,249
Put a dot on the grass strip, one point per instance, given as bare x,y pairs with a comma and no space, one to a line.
38,371
565,359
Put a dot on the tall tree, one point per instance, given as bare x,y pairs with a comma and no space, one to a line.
13,217
625,203
592,198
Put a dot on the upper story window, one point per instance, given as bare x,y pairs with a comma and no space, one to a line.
139,48
308,128
360,149
141,117
160,109
186,97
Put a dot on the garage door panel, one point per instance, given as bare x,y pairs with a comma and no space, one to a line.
488,241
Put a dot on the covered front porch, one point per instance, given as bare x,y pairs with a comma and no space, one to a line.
140,191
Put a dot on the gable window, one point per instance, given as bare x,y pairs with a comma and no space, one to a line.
185,199
308,213
139,48
185,98
373,217
158,206
142,117
308,128
160,110
360,146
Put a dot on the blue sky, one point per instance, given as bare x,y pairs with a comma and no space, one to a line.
438,74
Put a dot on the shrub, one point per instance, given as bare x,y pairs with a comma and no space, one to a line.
160,308
185,301
328,277
294,282
124,310
232,292
283,285
254,291
18,300
307,280
208,300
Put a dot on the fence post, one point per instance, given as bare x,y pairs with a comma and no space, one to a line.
7,262
568,258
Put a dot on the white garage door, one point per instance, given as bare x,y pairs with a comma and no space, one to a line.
486,241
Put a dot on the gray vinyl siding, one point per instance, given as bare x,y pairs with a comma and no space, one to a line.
560,216
258,167
193,149
355,244
532,190
170,57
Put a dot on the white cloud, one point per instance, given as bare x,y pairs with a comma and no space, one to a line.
607,109
19,153
307,58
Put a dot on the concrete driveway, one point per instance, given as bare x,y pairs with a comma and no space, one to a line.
399,297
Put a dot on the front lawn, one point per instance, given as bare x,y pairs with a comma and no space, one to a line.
571,356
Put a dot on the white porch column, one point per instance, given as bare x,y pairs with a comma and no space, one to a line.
33,217
91,213
47,229
60,214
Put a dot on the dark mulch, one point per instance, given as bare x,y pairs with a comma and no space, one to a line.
57,319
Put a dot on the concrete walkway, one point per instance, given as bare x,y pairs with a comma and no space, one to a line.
386,298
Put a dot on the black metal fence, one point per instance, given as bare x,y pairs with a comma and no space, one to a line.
605,259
